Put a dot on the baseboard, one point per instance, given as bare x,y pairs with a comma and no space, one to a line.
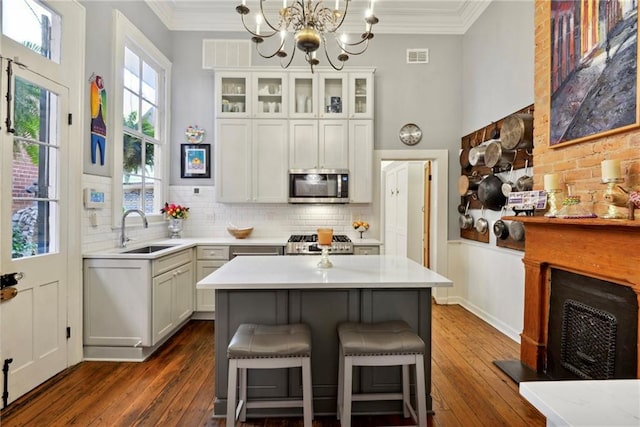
486,317
125,354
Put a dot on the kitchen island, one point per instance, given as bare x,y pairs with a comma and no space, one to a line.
292,289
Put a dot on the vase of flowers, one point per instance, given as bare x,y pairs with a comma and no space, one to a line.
360,226
176,214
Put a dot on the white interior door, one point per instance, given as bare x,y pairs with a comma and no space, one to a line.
32,217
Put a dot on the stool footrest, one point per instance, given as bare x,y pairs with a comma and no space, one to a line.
275,404
376,396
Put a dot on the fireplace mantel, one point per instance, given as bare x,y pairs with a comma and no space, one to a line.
604,249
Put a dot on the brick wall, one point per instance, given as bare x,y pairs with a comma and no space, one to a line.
578,163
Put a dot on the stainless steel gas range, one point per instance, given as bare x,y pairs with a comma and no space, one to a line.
307,244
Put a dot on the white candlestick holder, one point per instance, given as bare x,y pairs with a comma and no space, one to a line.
324,259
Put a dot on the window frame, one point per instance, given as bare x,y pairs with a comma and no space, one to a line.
128,35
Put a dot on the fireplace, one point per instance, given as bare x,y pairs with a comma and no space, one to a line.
602,255
592,328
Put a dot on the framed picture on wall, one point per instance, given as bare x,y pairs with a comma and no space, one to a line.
195,161
594,70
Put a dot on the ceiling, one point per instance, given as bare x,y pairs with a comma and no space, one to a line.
396,16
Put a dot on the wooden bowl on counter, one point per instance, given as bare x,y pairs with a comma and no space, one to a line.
240,233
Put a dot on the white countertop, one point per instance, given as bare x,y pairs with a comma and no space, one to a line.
598,403
301,272
185,243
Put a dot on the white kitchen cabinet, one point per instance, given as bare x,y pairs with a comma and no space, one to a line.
404,199
333,90
303,95
232,159
132,305
233,94
318,144
270,95
360,100
172,300
395,208
361,161
269,161
366,250
251,161
209,259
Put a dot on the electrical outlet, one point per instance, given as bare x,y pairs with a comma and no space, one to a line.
196,190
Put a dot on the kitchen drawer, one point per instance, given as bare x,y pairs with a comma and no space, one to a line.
366,250
169,262
213,252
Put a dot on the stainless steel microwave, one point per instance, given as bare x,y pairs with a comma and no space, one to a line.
318,186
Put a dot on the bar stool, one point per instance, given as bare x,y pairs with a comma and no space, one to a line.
388,343
267,347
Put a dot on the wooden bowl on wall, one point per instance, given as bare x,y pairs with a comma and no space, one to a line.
240,233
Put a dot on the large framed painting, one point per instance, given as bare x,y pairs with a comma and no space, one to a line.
594,69
195,161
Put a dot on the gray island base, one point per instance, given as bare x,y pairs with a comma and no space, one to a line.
292,289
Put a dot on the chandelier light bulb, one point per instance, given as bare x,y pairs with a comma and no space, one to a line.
313,26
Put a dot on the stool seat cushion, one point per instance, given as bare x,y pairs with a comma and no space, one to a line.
253,340
391,337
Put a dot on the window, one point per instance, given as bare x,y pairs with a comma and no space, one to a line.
141,146
33,25
34,187
142,128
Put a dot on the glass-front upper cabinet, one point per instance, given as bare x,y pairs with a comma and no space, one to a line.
270,95
360,96
233,94
303,98
333,95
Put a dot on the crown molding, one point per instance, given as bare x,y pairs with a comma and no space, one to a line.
396,17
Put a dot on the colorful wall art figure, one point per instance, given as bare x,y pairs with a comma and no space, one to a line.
98,118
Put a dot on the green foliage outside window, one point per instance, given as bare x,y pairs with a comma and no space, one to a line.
132,148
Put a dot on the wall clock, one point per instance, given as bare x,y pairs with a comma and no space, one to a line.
410,134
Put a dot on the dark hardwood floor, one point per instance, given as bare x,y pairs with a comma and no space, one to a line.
175,386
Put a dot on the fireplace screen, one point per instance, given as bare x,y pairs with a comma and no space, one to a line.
592,329
588,343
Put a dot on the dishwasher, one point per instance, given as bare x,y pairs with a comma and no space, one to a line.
235,251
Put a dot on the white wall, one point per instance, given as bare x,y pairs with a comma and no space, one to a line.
488,281
498,57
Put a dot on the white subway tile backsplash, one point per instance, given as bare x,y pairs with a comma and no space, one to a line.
209,219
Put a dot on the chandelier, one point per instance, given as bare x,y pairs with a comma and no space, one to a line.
311,24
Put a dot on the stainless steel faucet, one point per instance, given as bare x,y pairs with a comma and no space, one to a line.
123,237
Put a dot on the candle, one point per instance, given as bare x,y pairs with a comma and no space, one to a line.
258,22
244,2
371,7
551,181
337,4
284,4
325,236
610,170
343,42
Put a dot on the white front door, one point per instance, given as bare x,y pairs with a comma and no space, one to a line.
33,206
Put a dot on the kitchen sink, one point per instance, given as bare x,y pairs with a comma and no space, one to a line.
147,249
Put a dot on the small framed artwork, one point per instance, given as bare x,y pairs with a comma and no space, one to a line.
195,161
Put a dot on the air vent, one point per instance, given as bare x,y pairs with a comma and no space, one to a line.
225,53
417,56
